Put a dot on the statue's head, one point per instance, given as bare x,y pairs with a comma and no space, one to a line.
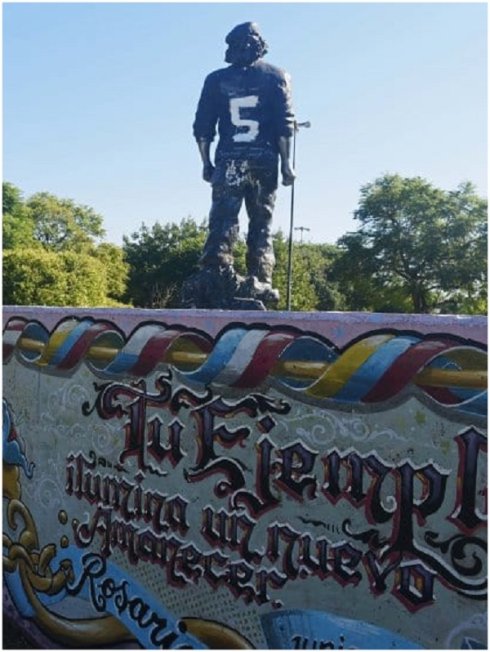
245,45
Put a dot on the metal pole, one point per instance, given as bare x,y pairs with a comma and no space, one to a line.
291,226
297,125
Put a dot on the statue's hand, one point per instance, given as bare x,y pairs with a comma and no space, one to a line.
207,172
288,175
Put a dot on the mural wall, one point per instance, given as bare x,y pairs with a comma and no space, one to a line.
178,480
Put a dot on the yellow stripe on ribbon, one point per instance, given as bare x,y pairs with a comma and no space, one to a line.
55,341
340,371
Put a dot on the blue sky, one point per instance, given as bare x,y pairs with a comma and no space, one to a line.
99,100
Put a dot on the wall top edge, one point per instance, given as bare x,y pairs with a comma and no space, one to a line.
268,315
341,325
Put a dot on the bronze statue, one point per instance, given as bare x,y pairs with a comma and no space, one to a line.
250,102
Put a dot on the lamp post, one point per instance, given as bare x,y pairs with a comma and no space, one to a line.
302,229
297,125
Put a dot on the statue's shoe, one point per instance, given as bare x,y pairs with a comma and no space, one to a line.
255,289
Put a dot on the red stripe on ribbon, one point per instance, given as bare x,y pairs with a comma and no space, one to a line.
154,351
264,358
405,368
82,345
441,395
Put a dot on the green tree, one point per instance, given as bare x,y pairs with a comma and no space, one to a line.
39,277
61,224
17,221
354,271
11,198
303,295
418,249
321,259
49,278
311,287
160,258
51,256
116,270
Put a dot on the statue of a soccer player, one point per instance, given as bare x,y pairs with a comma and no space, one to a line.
250,103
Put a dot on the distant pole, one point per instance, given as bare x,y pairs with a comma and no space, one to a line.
301,228
297,125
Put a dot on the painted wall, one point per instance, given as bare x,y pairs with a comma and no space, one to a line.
193,479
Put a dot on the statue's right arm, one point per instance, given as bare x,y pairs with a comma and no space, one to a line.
204,146
205,124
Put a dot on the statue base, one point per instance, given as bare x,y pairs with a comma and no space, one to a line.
223,289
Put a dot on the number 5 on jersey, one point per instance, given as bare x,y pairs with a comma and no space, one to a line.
237,103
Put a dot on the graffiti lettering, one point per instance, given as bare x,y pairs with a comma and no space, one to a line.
184,563
466,514
103,588
304,643
233,529
295,554
130,499
360,479
397,497
143,436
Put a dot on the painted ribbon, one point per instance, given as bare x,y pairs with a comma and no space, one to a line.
378,367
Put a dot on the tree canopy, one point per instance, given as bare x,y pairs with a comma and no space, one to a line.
51,254
17,222
311,288
40,277
160,258
418,248
61,224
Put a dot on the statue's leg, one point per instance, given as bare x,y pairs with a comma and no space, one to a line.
260,197
223,226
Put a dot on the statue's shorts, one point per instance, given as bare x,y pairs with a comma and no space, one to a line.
233,182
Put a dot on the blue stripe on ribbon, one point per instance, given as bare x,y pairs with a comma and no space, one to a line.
308,349
478,405
373,369
123,362
70,341
218,358
465,393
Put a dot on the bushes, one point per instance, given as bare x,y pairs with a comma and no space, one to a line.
39,277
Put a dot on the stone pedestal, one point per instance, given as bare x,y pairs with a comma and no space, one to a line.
222,288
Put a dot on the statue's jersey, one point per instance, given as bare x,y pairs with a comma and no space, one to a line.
252,108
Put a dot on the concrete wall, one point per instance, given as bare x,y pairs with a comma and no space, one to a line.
270,480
